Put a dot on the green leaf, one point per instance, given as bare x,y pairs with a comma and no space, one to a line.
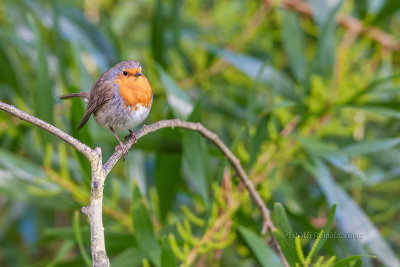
115,241
321,10
20,177
376,85
324,59
8,73
378,110
361,8
344,164
65,249
332,155
144,231
282,219
78,237
293,42
286,237
251,66
78,106
167,255
75,26
178,100
128,258
43,99
158,44
195,159
68,233
260,137
347,261
353,222
167,176
319,243
194,162
368,147
263,253
77,110
389,8
315,147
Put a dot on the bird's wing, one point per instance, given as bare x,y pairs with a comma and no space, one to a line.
100,94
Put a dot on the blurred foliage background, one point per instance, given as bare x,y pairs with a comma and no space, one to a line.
305,99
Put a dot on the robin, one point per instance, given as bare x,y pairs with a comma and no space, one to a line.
120,99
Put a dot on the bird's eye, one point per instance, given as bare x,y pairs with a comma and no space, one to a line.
125,73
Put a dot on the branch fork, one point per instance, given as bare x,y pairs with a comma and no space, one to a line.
99,173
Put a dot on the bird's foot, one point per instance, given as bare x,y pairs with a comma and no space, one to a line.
124,150
121,145
133,136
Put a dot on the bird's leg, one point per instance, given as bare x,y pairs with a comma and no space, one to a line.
121,145
131,134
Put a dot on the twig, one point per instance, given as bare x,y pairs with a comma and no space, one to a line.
94,210
234,161
194,126
78,145
99,173
95,213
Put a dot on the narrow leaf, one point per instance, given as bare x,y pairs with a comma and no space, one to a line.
178,100
390,7
260,137
130,257
293,42
368,147
327,229
43,94
167,255
325,55
158,44
65,248
378,110
282,219
263,253
194,159
353,222
167,175
347,261
286,239
251,66
78,237
144,231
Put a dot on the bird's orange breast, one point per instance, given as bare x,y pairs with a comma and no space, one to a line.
135,90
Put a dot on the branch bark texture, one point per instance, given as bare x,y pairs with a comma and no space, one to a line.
99,173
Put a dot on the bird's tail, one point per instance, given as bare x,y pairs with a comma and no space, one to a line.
84,95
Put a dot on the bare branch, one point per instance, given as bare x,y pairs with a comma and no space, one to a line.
234,161
99,173
194,126
94,210
78,145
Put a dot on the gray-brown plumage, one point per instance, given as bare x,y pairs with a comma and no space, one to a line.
119,99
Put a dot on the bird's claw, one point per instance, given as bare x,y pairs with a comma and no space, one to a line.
133,136
124,151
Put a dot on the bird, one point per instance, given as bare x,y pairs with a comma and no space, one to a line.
120,99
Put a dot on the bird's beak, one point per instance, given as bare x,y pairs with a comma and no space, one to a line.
137,74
